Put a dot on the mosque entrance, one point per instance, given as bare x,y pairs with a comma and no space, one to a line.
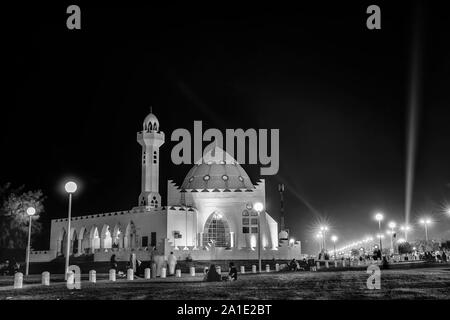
216,231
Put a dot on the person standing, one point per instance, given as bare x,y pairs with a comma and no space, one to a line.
172,261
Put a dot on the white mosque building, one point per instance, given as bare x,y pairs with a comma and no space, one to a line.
209,217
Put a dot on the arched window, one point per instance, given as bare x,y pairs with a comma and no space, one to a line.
216,231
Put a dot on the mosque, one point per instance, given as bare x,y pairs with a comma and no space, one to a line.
209,217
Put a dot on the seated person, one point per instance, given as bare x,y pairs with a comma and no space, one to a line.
293,265
4,268
212,275
232,274
13,267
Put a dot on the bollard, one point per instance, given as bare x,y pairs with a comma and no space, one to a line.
46,278
163,272
242,269
147,273
335,263
267,268
70,278
253,268
327,265
178,273
130,274
192,271
219,269
153,270
18,280
359,263
93,276
318,265
112,275
277,267
343,263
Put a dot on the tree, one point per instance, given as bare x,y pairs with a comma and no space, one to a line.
355,252
14,218
405,248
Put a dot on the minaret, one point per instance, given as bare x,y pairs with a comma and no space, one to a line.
283,236
150,138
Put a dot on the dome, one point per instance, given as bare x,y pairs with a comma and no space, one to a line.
151,123
218,172
283,235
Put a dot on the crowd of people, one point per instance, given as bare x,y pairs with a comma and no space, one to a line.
9,267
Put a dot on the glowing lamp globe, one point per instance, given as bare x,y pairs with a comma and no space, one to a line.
378,217
392,224
258,207
334,238
70,187
31,211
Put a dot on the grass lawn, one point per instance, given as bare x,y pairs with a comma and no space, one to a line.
420,283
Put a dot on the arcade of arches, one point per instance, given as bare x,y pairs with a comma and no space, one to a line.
88,240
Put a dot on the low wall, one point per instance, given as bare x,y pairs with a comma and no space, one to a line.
42,256
282,253
122,254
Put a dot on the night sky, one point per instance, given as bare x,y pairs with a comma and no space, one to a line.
338,92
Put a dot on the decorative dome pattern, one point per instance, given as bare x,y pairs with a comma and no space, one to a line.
212,173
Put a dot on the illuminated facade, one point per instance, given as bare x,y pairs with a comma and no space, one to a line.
209,217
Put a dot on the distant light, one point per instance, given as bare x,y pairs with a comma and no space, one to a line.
258,206
334,238
70,187
414,248
31,211
291,241
379,216
392,224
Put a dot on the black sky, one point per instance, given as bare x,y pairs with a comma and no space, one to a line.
337,91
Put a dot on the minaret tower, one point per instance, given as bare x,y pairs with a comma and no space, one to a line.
150,138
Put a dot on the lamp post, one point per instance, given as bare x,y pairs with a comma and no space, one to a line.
405,230
392,226
334,239
426,222
30,212
379,217
258,206
324,230
70,187
319,237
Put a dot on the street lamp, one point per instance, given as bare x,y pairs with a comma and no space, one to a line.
334,239
405,230
324,230
319,237
70,187
30,212
425,222
258,206
379,217
392,226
